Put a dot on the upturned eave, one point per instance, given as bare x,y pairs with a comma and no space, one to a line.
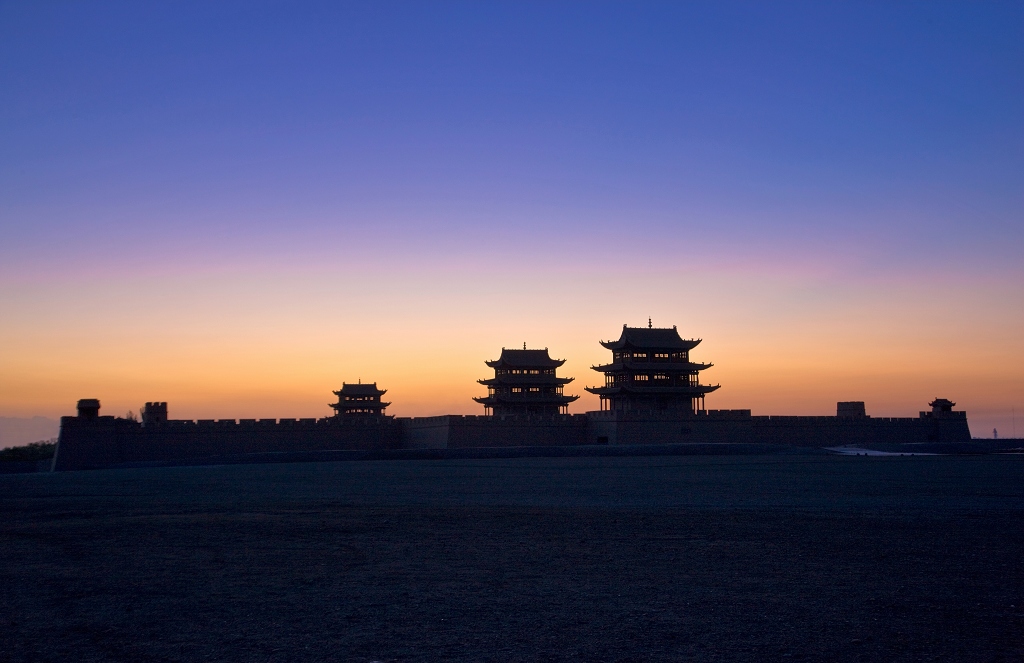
698,390
668,367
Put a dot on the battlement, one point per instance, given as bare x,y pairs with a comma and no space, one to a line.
154,414
305,423
725,414
90,440
944,414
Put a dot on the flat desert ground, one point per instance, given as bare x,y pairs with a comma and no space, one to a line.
779,557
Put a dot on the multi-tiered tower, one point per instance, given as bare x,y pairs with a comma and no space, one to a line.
651,371
524,382
359,401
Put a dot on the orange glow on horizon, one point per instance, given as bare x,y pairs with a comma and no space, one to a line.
778,346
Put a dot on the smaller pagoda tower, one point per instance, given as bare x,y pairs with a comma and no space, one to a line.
359,401
524,382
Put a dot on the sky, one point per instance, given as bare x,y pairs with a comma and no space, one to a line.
237,207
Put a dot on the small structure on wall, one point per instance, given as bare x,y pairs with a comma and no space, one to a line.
154,413
89,409
651,370
850,409
525,383
359,401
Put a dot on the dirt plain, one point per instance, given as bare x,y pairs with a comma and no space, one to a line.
785,557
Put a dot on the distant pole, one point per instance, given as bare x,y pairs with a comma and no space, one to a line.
1013,410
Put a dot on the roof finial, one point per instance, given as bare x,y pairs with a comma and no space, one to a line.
360,380
524,345
649,323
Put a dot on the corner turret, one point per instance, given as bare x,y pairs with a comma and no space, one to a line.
154,414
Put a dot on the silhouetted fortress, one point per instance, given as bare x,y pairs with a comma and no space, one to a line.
652,394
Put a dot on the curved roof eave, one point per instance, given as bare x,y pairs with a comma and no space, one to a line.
651,338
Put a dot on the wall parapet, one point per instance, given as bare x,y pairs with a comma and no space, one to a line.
101,441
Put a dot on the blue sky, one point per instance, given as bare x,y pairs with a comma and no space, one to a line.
256,112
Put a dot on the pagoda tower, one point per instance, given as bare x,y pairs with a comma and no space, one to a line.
524,382
359,401
651,370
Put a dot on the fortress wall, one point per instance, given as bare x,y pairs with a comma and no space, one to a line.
461,432
697,430
425,432
560,430
738,426
602,428
109,441
85,445
719,426
944,427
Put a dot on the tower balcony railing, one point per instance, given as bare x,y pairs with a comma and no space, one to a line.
651,383
528,396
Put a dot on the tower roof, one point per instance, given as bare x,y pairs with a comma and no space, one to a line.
655,338
360,390
525,359
620,389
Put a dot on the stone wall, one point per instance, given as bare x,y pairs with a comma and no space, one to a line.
108,441
461,432
738,426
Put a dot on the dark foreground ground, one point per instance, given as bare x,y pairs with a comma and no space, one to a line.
781,557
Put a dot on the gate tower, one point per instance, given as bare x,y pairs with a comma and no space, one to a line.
651,371
524,382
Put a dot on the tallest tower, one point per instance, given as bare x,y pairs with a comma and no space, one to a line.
651,370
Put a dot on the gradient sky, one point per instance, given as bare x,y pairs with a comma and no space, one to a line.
235,207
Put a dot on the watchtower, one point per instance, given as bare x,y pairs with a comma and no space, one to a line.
525,382
651,370
154,414
359,401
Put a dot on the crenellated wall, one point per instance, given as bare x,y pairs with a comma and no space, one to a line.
97,442
107,441
718,426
